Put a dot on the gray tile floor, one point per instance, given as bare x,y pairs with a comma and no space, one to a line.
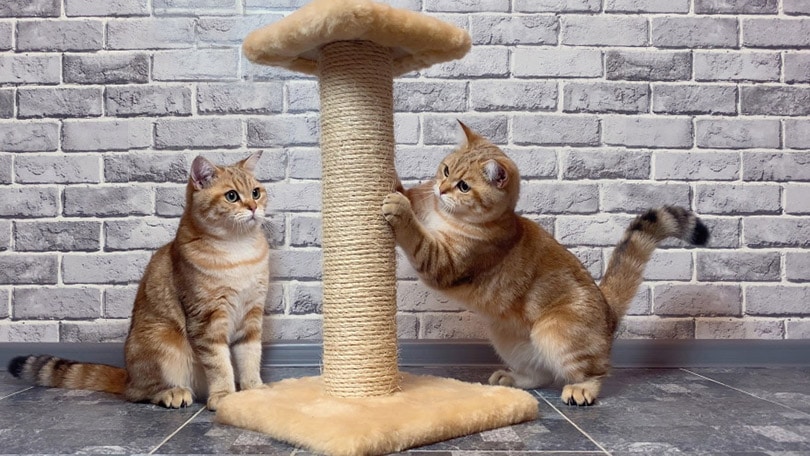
707,411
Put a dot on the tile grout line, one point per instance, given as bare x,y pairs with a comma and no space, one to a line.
16,393
176,431
744,392
576,426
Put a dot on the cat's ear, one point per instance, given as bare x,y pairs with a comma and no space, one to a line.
203,172
468,133
495,173
250,162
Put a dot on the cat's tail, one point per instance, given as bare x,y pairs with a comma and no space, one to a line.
46,370
626,266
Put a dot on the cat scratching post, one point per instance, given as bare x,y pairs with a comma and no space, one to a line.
362,404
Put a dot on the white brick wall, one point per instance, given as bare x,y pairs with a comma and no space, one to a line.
607,106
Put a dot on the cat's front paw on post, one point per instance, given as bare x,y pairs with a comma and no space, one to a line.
396,208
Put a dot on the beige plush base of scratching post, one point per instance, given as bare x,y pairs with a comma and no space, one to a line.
426,410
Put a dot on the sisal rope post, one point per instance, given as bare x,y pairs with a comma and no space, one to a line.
359,264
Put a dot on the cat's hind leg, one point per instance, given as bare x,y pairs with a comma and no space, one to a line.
525,365
535,379
160,369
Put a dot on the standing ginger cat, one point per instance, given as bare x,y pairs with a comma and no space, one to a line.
547,318
199,304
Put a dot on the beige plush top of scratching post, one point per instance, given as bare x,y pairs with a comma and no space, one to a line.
362,404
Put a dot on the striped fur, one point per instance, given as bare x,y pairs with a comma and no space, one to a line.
197,319
547,318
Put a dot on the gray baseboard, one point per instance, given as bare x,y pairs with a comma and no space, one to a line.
626,353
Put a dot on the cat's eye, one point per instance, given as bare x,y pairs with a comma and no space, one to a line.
232,196
446,171
257,193
463,186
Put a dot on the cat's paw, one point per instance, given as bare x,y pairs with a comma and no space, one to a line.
173,397
214,399
501,377
396,208
251,384
579,394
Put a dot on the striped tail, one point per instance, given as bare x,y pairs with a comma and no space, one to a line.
46,370
626,267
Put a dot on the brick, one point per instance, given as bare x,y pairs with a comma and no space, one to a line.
738,328
151,33
29,201
4,306
648,66
56,303
452,325
604,30
466,6
198,133
556,62
277,327
62,102
775,166
274,227
792,300
565,130
297,264
29,136
694,99
107,201
606,97
6,103
797,266
647,6
281,131
305,163
796,200
139,234
480,62
716,266
193,6
6,33
294,196
254,98
591,258
637,197
57,169
696,166
605,163
797,133
17,269
736,6
775,101
510,29
107,68
669,265
305,230
795,7
697,300
725,232
776,33
306,298
777,232
407,326
419,162
25,331
655,132
106,135
275,300
61,35
302,96
513,95
98,331
169,201
533,162
406,128
5,168
436,96
61,236
444,129
655,328
103,268
114,8
195,65
147,167
30,69
231,30
147,101
416,297
557,6
736,66
797,328
797,67
601,230
558,198
737,133
694,32
738,199
30,8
